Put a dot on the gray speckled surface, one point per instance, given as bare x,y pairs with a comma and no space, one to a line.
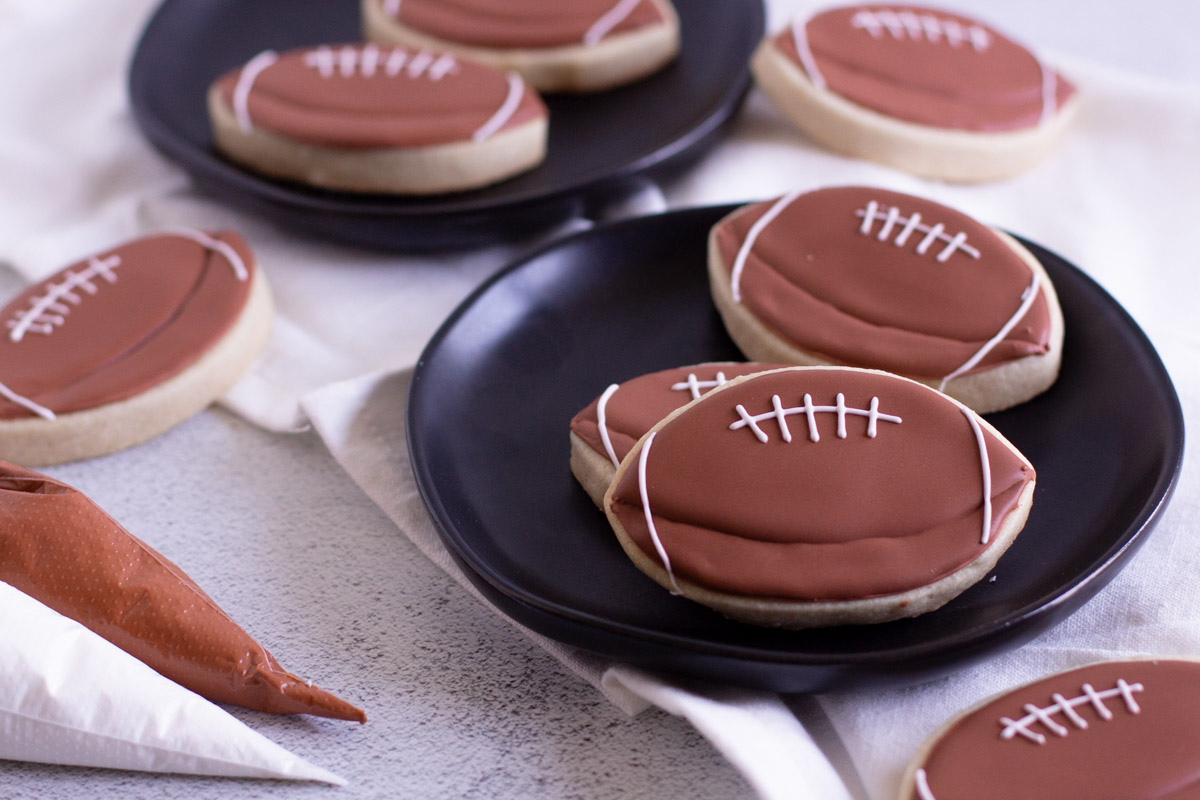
460,704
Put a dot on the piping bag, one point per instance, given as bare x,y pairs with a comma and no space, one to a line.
60,548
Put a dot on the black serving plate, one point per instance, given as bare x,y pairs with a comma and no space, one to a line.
600,144
488,418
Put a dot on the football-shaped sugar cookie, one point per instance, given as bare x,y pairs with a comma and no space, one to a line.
604,432
118,347
872,278
366,118
559,46
924,90
1117,729
812,496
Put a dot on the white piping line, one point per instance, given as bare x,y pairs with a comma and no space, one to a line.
800,40
658,545
1027,299
986,465
516,90
923,790
241,92
391,8
739,263
209,243
1049,93
25,402
602,421
609,20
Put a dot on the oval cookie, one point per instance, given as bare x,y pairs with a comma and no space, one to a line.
872,278
820,496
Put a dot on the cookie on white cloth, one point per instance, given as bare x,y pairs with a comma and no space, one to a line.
1126,729
559,46
119,347
364,118
867,277
927,91
817,496
604,432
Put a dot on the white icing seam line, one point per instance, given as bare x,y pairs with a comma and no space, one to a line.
658,545
1049,93
1027,297
922,783
609,20
602,423
1034,714
209,243
516,90
245,82
26,403
804,53
391,8
739,263
780,414
986,468
694,385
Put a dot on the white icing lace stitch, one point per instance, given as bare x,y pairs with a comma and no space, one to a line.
516,90
245,82
658,545
693,385
609,20
921,26
780,415
49,310
370,60
1034,715
955,243
602,423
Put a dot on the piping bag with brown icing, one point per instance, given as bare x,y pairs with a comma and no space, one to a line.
60,548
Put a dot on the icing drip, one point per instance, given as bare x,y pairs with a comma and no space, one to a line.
516,90
693,385
602,423
642,489
1045,716
920,26
609,20
780,414
245,82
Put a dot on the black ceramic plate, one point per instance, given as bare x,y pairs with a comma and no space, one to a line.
599,144
488,419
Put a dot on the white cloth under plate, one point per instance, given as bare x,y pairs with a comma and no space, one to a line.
1117,199
68,696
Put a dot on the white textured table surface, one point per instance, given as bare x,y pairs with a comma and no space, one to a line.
460,704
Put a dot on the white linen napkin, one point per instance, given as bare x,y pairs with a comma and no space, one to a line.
1116,199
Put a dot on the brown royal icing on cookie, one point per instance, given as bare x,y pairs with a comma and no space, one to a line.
58,547
903,495
366,96
873,278
956,72
523,23
613,422
161,302
1121,729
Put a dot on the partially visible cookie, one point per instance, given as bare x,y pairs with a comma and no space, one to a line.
872,278
119,347
560,46
364,118
927,91
605,431
817,496
1116,729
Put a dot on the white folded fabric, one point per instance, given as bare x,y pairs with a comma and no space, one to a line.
67,696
